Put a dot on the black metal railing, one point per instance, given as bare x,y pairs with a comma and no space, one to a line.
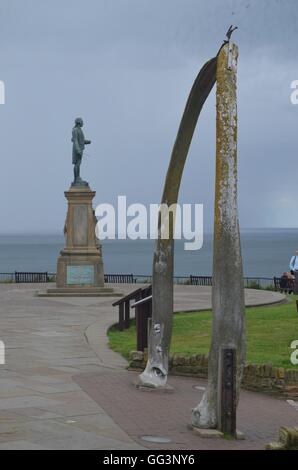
200,280
249,282
120,279
24,277
27,277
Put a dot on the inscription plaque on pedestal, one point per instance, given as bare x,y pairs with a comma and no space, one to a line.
80,275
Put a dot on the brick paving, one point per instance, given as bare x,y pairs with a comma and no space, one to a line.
63,388
141,413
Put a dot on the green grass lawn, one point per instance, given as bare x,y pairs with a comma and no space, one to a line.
270,331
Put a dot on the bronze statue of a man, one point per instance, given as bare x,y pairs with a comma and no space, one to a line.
79,143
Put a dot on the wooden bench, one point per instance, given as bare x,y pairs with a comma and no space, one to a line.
124,304
119,278
287,290
21,277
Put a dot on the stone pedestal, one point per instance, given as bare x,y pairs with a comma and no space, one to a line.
80,262
80,266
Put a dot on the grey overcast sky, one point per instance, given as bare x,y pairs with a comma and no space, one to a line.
126,67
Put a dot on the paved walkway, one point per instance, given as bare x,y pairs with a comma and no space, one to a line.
57,392
143,413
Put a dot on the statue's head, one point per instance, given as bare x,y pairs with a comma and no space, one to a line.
79,122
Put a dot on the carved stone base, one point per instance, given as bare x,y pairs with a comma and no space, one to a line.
80,262
207,433
147,388
80,292
213,433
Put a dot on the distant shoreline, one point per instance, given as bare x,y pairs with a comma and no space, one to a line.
206,232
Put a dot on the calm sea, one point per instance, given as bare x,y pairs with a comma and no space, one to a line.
266,252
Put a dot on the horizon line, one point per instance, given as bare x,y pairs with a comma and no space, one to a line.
207,231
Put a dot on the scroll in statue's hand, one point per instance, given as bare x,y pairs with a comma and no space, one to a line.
87,142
